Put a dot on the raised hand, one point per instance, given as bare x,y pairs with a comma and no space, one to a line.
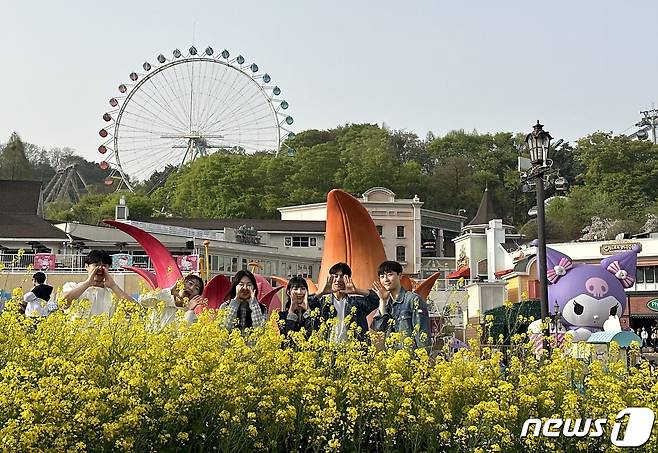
252,293
109,281
304,304
197,302
350,288
382,292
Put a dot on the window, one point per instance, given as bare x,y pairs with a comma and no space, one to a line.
380,230
400,253
400,231
640,275
300,241
648,274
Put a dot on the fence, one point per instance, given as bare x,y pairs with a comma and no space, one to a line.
62,262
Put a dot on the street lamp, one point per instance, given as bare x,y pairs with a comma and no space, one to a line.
538,143
556,313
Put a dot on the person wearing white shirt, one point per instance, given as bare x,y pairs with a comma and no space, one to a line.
97,288
341,298
38,300
187,296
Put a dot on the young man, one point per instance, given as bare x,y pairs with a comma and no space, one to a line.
97,288
341,298
400,310
185,295
37,300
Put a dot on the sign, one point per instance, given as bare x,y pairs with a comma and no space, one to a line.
44,261
188,263
653,304
121,259
247,235
616,247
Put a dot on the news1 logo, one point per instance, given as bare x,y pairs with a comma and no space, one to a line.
637,432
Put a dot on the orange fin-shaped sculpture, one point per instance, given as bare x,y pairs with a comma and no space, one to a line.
406,283
351,237
423,290
216,291
147,275
280,280
166,269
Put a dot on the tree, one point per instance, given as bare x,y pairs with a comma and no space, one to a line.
367,160
624,169
13,163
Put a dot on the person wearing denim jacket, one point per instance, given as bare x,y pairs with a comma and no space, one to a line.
339,299
400,310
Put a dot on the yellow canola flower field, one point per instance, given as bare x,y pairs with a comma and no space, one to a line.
121,385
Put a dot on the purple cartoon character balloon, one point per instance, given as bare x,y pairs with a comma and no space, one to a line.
588,294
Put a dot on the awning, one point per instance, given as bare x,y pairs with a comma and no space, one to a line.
464,272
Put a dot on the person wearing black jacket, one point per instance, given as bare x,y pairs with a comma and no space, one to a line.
296,315
35,302
340,299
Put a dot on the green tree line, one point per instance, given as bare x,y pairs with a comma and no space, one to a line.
610,177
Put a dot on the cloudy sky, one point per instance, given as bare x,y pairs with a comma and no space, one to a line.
420,65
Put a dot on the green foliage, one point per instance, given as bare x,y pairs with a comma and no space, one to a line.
95,207
624,169
610,177
13,162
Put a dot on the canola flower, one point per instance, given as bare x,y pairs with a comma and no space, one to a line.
118,384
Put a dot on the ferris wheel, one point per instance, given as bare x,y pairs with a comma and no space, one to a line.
188,106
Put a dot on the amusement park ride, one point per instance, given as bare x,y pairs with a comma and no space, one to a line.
187,106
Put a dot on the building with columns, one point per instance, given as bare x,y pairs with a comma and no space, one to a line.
420,239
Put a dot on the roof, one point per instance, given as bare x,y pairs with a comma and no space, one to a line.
19,205
29,227
19,197
486,210
623,338
259,224
464,272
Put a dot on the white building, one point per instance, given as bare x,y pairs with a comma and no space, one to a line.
418,238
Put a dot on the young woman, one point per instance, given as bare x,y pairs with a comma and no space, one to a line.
297,314
243,309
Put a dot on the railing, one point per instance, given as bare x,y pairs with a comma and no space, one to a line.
175,230
11,262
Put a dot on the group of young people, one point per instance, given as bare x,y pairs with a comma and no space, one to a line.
395,309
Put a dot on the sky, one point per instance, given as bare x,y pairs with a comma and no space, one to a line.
421,66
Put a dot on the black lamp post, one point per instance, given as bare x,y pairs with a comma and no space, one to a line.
538,142
556,314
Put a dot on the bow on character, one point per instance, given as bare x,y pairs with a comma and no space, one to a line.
626,280
559,270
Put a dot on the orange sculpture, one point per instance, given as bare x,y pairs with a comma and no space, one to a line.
351,237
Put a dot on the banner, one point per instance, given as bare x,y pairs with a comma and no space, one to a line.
121,259
188,263
44,261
